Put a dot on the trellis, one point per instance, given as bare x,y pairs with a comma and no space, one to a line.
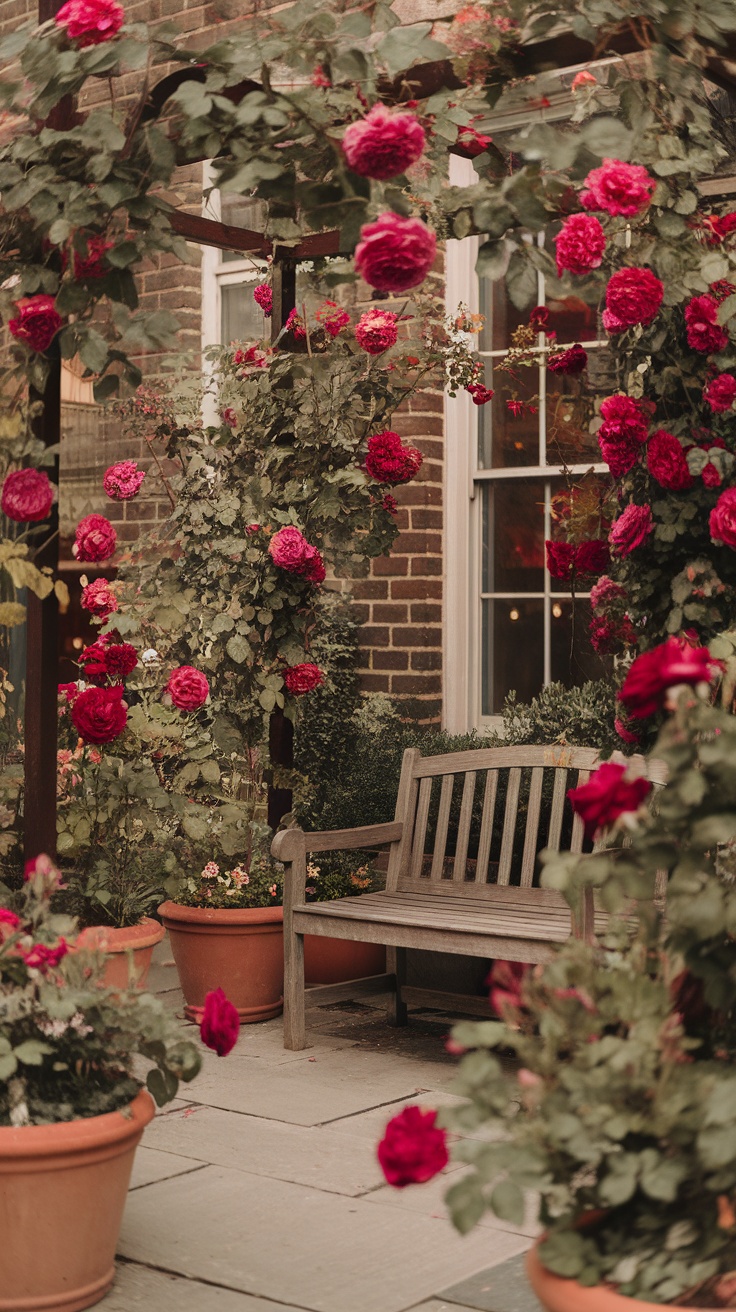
561,50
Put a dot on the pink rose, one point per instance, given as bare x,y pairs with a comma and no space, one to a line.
723,519
704,332
607,635
506,982
413,1148
123,480
37,322
299,679
99,599
108,658
620,457
389,461
571,361
263,296
99,714
604,592
719,226
8,917
720,393
618,188
188,688
606,796
579,244
622,432
583,79
394,253
631,528
27,495
288,549
220,1023
95,539
633,296
663,667
667,463
376,331
383,144
90,22
332,318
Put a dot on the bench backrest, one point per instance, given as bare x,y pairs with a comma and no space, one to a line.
502,804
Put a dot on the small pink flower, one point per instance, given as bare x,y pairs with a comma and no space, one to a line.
92,263
332,318
606,796
580,244
123,480
472,142
220,1023
571,361
704,332
583,79
394,253
99,599
229,417
95,539
376,331
90,22
43,958
383,144
480,395
263,296
295,324
9,918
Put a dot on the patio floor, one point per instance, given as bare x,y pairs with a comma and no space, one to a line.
258,1190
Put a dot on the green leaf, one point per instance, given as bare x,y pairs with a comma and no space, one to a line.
32,1052
237,648
507,1201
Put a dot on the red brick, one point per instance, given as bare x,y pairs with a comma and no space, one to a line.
369,589
374,682
427,403
417,589
361,614
385,613
416,427
372,636
416,683
426,565
425,613
426,660
420,544
390,660
390,566
421,517
421,636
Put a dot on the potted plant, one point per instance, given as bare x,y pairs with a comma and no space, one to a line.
619,1113
334,960
72,1102
226,930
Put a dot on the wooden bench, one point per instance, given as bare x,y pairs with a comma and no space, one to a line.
485,906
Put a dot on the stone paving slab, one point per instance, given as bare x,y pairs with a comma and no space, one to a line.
150,1166
311,1092
429,1199
309,1155
139,1289
439,1305
300,1246
371,1124
503,1288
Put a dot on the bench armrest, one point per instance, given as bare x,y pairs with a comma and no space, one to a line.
291,847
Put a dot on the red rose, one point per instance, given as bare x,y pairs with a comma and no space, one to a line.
619,456
314,567
672,663
27,495
606,796
539,318
37,323
579,244
723,519
710,475
720,393
623,420
376,331
92,264
413,1148
390,504
389,461
667,463
99,714
571,361
105,657
332,317
472,142
290,550
188,688
704,333
633,296
481,395
302,678
592,557
95,539
123,480
506,982
560,559
722,289
631,528
719,226
8,917
90,22
263,296
43,958
394,253
383,144
220,1023
99,599
625,734
618,188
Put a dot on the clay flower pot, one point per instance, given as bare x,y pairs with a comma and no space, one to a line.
557,1294
120,972
240,951
62,1194
336,960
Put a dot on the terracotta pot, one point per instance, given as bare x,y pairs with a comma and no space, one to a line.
240,951
335,960
62,1194
557,1294
120,971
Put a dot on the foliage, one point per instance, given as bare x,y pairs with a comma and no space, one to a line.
70,1048
582,716
340,874
626,1050
258,885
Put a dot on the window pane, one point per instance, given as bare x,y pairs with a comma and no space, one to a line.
512,651
573,658
513,535
241,318
570,410
242,212
573,320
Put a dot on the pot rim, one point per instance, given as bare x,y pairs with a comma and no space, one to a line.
584,1298
175,911
60,1138
119,938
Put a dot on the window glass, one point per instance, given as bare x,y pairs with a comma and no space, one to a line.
241,319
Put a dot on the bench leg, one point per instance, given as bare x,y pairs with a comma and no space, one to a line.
295,1036
396,965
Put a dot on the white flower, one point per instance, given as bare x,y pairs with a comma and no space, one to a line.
150,656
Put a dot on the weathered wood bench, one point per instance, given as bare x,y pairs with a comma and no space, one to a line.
487,906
